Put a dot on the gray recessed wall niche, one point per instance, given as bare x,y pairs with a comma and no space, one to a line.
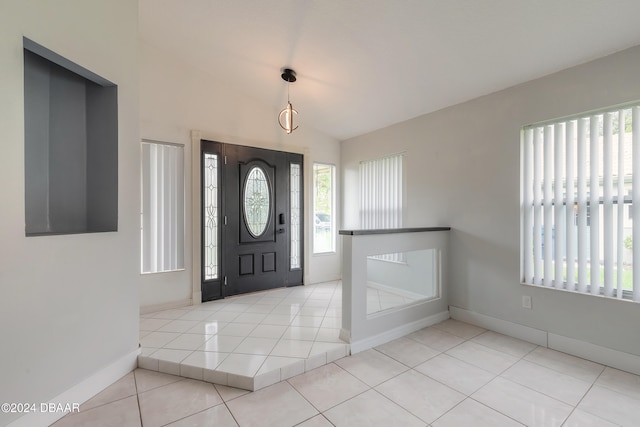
71,146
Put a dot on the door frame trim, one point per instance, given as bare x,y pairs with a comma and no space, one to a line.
196,221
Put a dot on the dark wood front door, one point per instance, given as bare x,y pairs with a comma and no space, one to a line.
260,220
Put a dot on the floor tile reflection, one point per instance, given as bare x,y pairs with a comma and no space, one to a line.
450,374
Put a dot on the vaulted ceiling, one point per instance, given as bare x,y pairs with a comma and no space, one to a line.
366,64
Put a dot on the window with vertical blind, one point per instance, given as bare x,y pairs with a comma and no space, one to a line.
381,198
577,203
162,210
381,183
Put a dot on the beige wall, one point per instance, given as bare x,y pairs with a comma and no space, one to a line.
463,171
68,304
176,98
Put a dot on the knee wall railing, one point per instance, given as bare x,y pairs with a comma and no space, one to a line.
394,282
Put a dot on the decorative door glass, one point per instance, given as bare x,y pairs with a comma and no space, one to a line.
210,217
296,209
257,201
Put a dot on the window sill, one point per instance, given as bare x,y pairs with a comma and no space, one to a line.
329,253
149,273
627,294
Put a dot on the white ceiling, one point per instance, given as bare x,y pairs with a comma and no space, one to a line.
366,64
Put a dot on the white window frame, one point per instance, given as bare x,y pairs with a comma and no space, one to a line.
332,214
162,207
563,149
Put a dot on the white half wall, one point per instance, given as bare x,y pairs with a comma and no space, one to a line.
177,98
68,303
463,171
363,329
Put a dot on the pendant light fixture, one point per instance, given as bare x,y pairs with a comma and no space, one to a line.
285,118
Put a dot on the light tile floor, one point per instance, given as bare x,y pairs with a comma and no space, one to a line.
249,341
450,374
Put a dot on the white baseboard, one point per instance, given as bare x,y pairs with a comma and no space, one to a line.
595,353
81,392
400,331
525,333
606,356
312,281
164,306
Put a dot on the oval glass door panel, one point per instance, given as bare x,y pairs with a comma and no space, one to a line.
257,201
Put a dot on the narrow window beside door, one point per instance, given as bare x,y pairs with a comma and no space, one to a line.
296,210
323,202
210,242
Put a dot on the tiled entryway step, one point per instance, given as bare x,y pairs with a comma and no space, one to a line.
250,341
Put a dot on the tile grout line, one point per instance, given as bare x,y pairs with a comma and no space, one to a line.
585,395
369,388
467,396
135,381
408,368
326,299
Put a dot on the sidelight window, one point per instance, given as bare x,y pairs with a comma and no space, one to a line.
296,215
210,205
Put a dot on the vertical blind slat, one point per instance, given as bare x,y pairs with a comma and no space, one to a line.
569,207
527,207
180,209
146,211
558,205
153,225
636,196
607,202
583,236
594,203
548,206
537,207
621,207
